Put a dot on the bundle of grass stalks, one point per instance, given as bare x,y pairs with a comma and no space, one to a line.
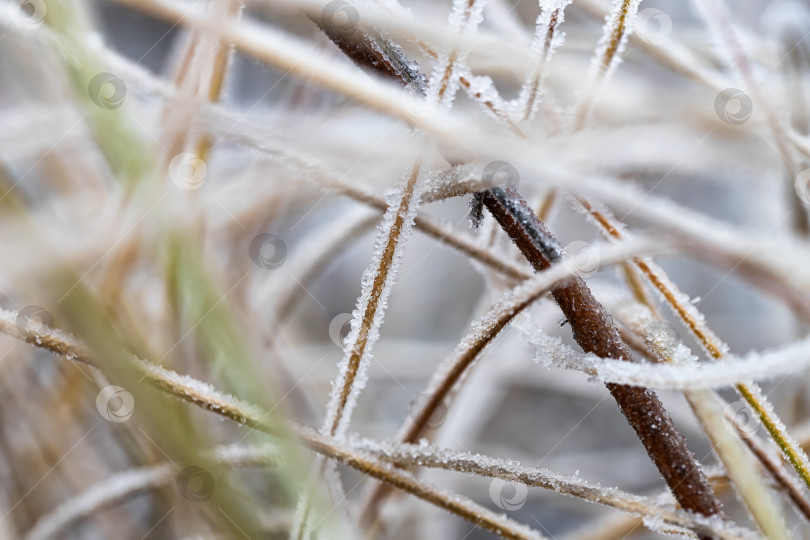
380,269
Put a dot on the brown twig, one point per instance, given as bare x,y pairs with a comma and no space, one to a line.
750,391
594,330
381,277
371,50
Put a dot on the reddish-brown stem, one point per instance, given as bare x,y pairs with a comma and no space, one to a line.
595,331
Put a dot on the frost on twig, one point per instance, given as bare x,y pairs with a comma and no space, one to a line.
547,37
685,373
716,348
595,331
617,29
425,455
709,409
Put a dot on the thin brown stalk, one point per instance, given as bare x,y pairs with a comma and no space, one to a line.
374,51
348,374
209,82
674,55
612,39
537,73
491,106
440,458
380,279
701,499
616,35
595,331
216,83
777,470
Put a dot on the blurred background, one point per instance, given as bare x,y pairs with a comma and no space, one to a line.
68,219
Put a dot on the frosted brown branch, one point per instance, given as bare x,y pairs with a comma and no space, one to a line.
594,330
